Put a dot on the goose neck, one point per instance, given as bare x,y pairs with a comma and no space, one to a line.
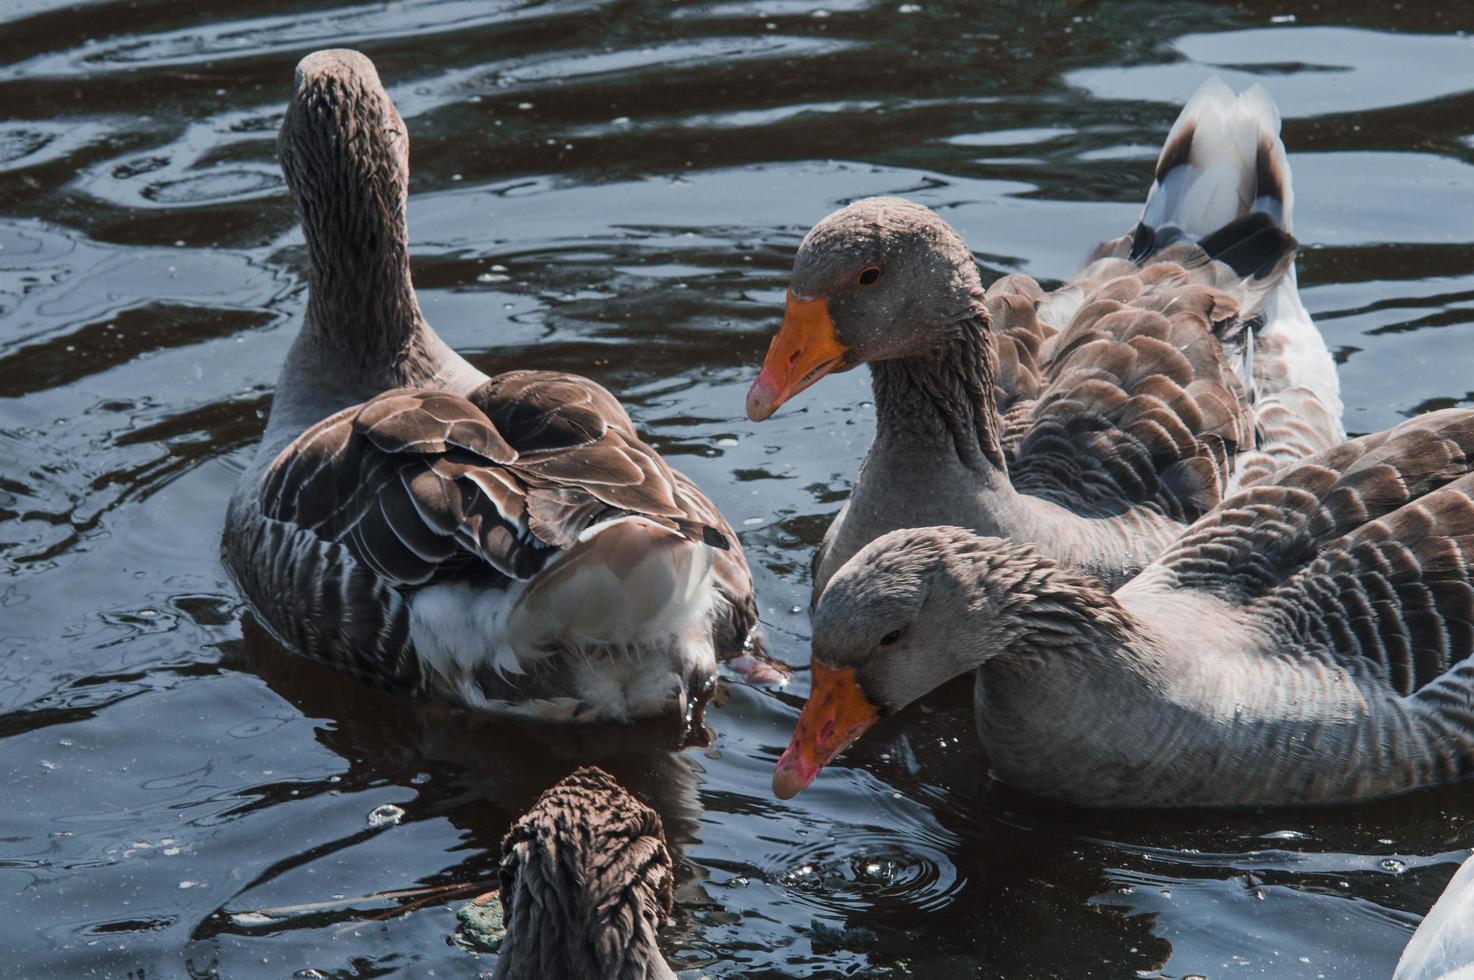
361,301
943,399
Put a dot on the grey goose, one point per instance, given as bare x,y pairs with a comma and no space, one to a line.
507,542
1310,640
1095,421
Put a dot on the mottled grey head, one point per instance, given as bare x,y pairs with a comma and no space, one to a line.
342,145
880,279
586,881
909,612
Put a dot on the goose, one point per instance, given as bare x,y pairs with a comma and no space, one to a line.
1308,641
507,542
1096,421
1443,946
586,881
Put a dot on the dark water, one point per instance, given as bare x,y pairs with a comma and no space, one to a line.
616,188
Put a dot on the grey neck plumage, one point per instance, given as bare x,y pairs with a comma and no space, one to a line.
944,398
363,332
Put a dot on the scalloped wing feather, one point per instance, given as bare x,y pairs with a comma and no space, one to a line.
416,483
1133,401
1362,554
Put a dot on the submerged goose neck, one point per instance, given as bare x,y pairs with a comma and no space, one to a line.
944,395
345,153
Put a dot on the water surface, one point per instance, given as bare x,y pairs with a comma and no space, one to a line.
616,188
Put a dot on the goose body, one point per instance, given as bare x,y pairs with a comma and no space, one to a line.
586,882
1443,946
1096,421
1308,641
507,542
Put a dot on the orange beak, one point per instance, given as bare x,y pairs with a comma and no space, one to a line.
803,352
836,714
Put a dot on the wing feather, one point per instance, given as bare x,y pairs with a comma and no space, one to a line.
1360,554
416,483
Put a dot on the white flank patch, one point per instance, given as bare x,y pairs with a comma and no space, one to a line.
632,601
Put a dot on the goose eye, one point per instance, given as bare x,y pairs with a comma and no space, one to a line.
870,275
891,638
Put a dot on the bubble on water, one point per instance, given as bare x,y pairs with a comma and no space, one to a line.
1393,865
1284,835
188,884
385,815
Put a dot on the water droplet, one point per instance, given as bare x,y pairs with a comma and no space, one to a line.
1393,865
250,919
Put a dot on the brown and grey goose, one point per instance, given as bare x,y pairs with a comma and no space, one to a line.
1311,640
586,882
1096,421
508,542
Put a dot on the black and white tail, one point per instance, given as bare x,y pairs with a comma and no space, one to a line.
1223,182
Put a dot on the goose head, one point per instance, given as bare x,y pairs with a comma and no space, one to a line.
343,148
880,279
345,153
586,880
909,612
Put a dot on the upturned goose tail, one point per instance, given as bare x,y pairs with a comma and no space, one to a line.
1222,180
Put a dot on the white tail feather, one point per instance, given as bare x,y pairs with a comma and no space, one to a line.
1222,159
